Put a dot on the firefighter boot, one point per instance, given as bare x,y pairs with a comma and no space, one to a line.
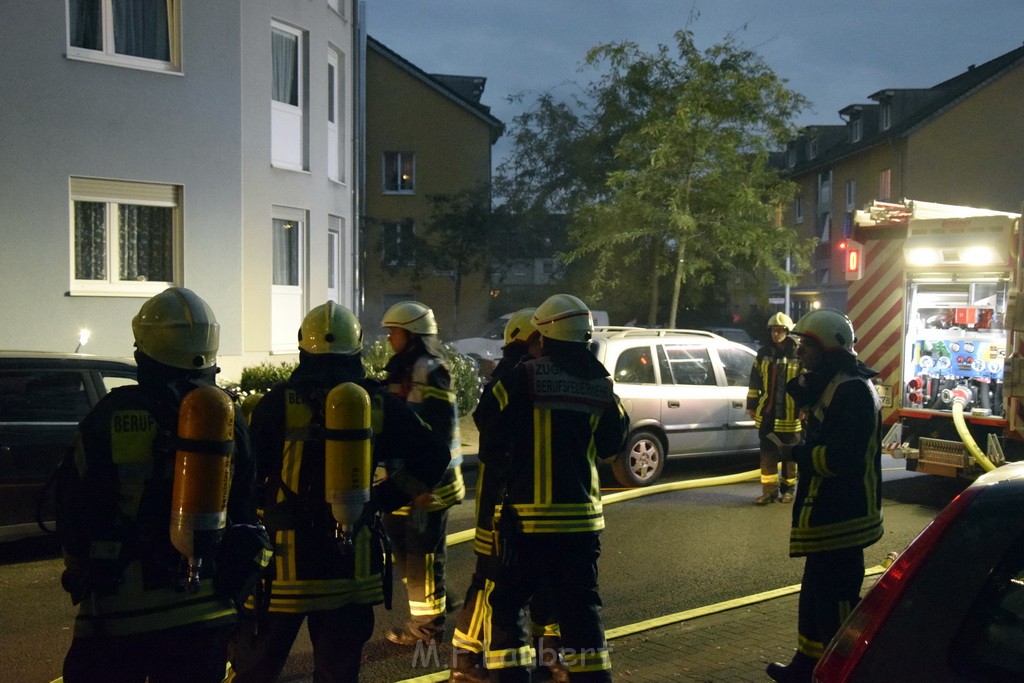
468,667
550,666
797,671
769,492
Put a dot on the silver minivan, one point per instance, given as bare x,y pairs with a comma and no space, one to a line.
685,392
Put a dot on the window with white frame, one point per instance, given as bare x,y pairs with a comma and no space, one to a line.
398,243
335,116
791,157
143,34
824,191
125,237
856,128
798,208
812,148
399,172
851,194
288,74
885,115
290,254
885,184
337,5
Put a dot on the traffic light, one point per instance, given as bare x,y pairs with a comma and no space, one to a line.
854,260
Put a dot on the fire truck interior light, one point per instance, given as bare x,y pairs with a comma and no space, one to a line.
922,256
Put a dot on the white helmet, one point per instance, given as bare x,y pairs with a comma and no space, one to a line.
780,319
831,329
331,328
177,328
412,316
564,317
520,326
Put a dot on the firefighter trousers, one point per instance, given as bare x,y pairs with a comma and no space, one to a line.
187,654
260,647
829,591
565,564
419,547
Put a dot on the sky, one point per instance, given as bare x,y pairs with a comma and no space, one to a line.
834,53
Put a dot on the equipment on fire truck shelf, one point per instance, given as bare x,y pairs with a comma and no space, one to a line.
937,315
202,477
348,465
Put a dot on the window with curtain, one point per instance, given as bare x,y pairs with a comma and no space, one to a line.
126,236
400,172
398,241
141,33
286,251
285,64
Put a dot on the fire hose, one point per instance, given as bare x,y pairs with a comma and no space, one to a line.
960,398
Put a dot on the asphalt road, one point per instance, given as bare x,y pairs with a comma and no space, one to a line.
661,554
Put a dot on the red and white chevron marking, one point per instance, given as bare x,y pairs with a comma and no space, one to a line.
875,305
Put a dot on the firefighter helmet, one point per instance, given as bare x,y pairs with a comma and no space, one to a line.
564,317
411,316
177,328
780,320
520,326
831,329
331,328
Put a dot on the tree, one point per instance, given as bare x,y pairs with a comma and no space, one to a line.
456,241
663,169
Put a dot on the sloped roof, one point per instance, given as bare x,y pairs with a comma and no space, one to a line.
911,109
464,91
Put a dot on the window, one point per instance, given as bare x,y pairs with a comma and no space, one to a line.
399,172
791,157
825,227
335,116
885,184
635,366
290,263
335,227
398,241
126,237
687,365
812,148
824,191
287,131
287,255
856,129
798,208
737,364
851,195
337,5
885,116
144,34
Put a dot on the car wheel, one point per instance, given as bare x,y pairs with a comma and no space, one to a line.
642,462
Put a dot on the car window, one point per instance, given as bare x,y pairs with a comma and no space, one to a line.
737,364
42,396
635,366
687,364
990,644
112,381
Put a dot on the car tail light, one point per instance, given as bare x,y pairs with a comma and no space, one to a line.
855,635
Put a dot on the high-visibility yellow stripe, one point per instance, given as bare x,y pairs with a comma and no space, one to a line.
428,391
811,648
501,395
509,658
578,662
542,474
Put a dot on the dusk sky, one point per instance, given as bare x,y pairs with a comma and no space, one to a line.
834,53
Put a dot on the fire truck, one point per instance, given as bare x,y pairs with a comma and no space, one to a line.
935,297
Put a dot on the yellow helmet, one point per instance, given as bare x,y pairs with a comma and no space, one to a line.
831,329
177,328
520,326
331,328
412,316
564,317
780,319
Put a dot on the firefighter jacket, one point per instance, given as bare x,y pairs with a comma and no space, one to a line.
554,418
423,380
839,495
311,569
774,410
113,497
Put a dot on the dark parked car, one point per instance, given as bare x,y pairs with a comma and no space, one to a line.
43,396
951,606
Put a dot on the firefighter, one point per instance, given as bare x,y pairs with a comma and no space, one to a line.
417,372
552,418
778,425
838,507
144,610
320,574
522,342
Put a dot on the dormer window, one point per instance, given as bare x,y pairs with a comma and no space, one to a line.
885,115
856,128
791,157
812,148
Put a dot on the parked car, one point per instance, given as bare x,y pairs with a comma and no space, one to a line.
485,348
43,396
951,606
736,334
685,392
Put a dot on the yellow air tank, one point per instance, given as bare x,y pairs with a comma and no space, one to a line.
202,476
348,464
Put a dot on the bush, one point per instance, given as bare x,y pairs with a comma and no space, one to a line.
465,378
